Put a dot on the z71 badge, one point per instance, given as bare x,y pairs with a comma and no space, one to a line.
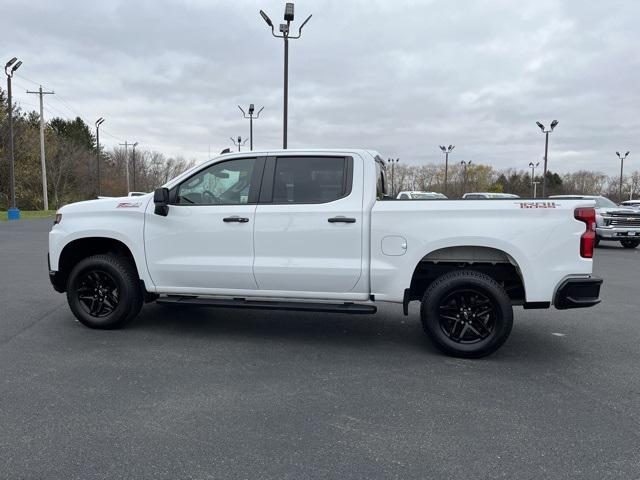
129,205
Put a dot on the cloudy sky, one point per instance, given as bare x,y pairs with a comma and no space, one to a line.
397,76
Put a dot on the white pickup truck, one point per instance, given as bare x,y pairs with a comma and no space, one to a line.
314,230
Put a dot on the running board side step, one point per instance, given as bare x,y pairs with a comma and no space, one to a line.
353,308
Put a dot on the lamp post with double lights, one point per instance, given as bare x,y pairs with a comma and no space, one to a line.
99,122
250,117
133,164
239,142
286,36
546,152
465,165
446,151
622,159
533,167
392,162
13,213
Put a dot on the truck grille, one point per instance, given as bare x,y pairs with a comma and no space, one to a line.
622,220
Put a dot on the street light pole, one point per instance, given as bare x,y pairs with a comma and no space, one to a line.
533,176
546,152
250,117
13,213
133,164
393,175
465,165
126,164
535,184
446,151
98,123
622,159
285,35
238,143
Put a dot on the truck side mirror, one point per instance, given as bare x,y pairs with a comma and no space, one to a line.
161,200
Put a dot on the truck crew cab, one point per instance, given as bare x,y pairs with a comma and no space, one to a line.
315,230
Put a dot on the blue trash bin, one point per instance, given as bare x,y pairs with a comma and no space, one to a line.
13,214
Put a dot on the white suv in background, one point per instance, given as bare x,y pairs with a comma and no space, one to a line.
487,195
631,204
417,195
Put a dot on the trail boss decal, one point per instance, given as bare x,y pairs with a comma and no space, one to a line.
537,204
129,205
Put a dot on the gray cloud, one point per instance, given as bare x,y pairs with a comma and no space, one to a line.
399,77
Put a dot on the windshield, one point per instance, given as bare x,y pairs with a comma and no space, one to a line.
603,202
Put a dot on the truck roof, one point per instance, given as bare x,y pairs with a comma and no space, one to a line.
373,153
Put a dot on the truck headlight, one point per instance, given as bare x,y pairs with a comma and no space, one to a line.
599,220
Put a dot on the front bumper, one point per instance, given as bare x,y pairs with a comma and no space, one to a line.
578,293
55,278
617,233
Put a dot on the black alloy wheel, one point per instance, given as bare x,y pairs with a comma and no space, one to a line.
467,315
98,293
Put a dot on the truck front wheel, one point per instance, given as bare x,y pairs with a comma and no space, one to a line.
630,243
103,291
466,314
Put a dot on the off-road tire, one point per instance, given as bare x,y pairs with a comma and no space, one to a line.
445,312
630,243
104,292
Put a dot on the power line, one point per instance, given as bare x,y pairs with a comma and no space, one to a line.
68,105
64,103
41,93
27,79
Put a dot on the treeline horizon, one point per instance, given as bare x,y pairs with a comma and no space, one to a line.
71,158
72,162
485,178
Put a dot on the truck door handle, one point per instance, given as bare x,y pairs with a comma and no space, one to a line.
235,218
342,220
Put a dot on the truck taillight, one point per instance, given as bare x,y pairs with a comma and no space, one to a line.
588,238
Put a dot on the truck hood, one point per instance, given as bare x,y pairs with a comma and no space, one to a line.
107,204
622,211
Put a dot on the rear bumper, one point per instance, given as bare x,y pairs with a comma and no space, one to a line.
578,293
617,233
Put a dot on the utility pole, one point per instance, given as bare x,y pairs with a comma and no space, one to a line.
533,176
393,175
622,159
98,123
133,164
43,163
446,151
284,30
535,184
238,143
546,152
126,163
465,165
250,117
9,69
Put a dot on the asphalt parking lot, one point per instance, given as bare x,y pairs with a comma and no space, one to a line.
199,393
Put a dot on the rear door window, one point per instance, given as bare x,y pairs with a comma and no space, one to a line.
311,179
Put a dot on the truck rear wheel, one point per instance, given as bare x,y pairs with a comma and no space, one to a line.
630,243
103,291
466,314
